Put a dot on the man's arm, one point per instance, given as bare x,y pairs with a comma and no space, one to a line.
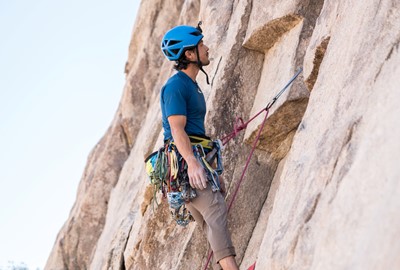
197,177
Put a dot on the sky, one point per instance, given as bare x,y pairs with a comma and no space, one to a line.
61,79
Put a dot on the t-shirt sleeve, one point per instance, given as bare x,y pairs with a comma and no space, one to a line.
173,101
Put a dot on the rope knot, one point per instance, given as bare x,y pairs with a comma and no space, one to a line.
238,126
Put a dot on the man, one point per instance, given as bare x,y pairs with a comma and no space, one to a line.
183,111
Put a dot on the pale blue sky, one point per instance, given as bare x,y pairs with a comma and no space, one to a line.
61,79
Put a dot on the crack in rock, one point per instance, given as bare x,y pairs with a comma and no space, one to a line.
280,128
265,37
319,56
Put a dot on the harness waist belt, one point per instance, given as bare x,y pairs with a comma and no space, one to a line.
205,142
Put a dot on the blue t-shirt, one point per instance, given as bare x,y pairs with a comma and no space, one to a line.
182,96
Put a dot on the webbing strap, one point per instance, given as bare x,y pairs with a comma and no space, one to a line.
194,140
206,143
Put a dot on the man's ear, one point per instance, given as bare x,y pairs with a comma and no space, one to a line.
189,54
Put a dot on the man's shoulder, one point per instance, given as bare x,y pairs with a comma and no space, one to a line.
175,83
175,80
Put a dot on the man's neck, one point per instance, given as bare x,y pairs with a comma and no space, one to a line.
192,71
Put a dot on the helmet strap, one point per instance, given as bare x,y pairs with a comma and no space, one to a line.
197,63
200,65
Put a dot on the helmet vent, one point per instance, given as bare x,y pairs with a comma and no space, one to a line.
196,33
173,42
175,51
179,39
166,52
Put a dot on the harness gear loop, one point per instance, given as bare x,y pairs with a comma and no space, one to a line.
173,164
167,171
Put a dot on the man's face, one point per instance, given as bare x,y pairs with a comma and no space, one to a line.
203,52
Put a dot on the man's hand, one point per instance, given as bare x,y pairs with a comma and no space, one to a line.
196,173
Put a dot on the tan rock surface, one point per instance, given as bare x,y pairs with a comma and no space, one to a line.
322,190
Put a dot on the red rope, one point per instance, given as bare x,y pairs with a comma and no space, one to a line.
231,136
248,160
252,267
239,126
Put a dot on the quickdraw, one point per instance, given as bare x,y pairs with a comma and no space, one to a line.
156,169
167,171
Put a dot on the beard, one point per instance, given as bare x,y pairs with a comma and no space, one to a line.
205,62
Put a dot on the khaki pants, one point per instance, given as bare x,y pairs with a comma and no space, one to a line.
210,212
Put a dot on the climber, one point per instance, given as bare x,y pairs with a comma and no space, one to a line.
183,111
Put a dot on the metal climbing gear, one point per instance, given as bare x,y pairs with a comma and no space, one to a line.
167,171
175,199
212,174
164,168
156,167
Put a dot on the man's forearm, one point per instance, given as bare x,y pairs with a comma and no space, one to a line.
183,144
197,177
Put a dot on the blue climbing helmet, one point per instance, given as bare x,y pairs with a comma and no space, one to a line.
179,39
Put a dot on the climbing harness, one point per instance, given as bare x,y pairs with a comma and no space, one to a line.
206,143
167,171
240,125
206,160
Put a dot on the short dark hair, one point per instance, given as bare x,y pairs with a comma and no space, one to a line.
182,62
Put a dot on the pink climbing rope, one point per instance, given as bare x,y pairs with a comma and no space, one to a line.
231,136
238,126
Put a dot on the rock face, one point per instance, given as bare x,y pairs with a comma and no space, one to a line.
322,190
